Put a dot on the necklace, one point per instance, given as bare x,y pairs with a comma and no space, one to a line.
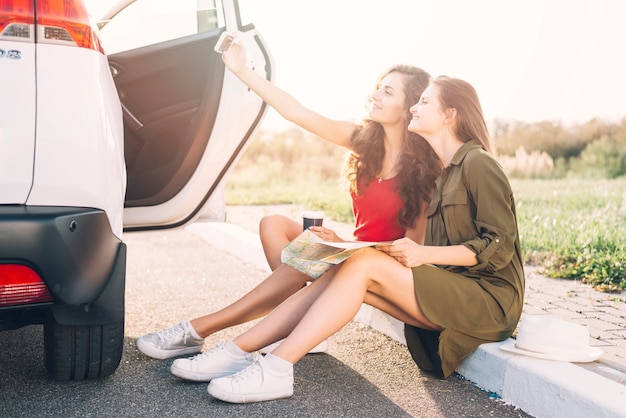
381,177
388,173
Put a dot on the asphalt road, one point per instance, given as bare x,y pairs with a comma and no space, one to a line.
174,275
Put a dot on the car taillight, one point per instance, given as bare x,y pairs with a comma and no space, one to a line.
49,21
17,18
21,285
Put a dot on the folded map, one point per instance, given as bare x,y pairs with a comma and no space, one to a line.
313,256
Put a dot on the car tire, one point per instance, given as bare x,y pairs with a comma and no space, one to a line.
82,352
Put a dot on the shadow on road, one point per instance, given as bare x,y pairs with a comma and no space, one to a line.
142,387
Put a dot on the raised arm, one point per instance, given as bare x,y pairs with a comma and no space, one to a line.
335,131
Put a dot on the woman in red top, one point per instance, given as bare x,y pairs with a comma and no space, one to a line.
390,173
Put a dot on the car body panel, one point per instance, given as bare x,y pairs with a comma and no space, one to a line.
83,167
17,120
72,249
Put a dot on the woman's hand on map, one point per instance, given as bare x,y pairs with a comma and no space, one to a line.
406,251
326,234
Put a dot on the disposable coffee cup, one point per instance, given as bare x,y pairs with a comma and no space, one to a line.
312,218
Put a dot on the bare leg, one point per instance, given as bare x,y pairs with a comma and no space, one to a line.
276,231
280,322
332,303
268,294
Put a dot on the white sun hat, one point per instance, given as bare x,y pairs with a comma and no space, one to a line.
551,338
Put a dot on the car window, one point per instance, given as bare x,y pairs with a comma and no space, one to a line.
147,22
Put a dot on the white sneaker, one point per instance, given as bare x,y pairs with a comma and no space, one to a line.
171,342
216,362
320,348
256,383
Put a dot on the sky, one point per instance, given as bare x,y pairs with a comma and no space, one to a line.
530,61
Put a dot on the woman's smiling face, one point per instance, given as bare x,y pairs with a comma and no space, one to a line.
428,117
387,103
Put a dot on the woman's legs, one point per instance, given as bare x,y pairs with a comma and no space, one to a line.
313,314
278,286
228,358
188,337
276,231
324,307
282,320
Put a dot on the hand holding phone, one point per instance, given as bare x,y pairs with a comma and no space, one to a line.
224,42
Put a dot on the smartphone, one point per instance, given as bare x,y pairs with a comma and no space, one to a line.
224,42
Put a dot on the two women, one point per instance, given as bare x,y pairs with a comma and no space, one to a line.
390,173
462,287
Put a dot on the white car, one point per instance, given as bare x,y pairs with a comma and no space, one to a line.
128,125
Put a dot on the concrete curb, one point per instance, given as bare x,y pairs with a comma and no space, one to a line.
544,388
541,388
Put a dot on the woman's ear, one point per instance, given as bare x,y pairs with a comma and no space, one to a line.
450,114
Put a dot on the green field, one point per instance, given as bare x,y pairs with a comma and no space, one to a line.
576,229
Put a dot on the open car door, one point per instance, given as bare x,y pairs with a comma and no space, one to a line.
187,120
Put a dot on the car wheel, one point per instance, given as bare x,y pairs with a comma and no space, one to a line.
82,352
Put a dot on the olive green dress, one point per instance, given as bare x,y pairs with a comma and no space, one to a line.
473,205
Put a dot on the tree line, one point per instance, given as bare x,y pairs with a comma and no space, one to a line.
551,149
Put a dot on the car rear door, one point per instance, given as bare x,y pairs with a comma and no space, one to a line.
186,119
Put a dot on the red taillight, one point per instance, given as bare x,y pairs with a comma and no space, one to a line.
21,285
57,21
17,18
63,20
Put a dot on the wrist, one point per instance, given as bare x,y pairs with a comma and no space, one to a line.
242,71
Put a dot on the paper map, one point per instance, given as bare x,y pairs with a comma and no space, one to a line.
313,256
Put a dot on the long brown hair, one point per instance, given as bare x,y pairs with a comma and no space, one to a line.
470,122
419,166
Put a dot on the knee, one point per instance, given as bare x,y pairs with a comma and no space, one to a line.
363,260
271,223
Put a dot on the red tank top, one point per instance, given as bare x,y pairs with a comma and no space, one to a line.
376,212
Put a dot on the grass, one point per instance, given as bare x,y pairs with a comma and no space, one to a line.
574,229
305,172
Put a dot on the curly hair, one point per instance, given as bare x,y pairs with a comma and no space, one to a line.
419,166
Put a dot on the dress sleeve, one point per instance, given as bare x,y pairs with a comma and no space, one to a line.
495,219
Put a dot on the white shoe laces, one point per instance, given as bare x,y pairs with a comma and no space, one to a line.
201,356
170,333
251,370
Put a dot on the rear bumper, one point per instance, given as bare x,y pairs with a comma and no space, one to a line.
80,260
